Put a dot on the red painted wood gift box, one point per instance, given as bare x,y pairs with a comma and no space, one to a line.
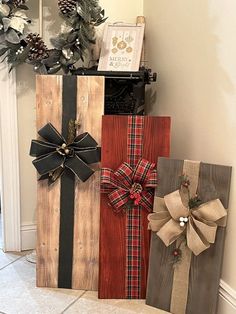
130,147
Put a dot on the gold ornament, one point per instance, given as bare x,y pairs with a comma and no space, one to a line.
129,49
114,50
121,45
114,40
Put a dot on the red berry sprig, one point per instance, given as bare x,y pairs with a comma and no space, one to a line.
185,182
136,197
135,193
177,255
177,252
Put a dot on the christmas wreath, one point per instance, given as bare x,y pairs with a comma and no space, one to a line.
18,45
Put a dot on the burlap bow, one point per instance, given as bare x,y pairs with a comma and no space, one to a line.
57,154
172,219
127,184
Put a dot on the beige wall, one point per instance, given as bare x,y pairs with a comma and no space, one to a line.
122,10
119,10
191,43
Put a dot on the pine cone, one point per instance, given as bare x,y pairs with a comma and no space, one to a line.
17,3
38,49
67,6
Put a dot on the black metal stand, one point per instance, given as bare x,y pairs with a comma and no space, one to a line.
124,91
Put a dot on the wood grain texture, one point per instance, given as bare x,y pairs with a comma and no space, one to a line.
214,181
90,106
112,249
160,276
48,109
113,226
156,144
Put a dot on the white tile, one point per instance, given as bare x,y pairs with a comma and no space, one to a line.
1,239
18,294
90,304
8,258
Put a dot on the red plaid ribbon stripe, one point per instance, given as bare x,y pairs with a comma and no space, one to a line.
133,228
133,258
135,139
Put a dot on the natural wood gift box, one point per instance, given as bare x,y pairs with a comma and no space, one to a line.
89,100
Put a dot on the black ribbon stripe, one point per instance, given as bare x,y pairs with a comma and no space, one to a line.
66,235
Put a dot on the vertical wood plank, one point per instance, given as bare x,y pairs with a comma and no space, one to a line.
214,182
90,107
158,144
113,228
48,109
160,276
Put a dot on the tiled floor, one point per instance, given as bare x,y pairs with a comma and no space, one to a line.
0,230
18,294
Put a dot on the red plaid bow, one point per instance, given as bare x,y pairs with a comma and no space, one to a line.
128,184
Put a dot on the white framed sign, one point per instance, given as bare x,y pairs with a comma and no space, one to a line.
121,47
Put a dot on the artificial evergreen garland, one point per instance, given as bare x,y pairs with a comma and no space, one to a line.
18,46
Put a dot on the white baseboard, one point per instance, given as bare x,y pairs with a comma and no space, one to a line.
28,236
9,161
227,300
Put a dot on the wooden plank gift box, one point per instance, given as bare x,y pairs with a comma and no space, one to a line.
130,146
69,112
188,229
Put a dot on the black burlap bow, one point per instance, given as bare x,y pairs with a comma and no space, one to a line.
56,154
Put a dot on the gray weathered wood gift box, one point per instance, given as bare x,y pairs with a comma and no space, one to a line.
203,275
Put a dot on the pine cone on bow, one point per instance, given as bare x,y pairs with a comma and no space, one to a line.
17,3
38,49
67,6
